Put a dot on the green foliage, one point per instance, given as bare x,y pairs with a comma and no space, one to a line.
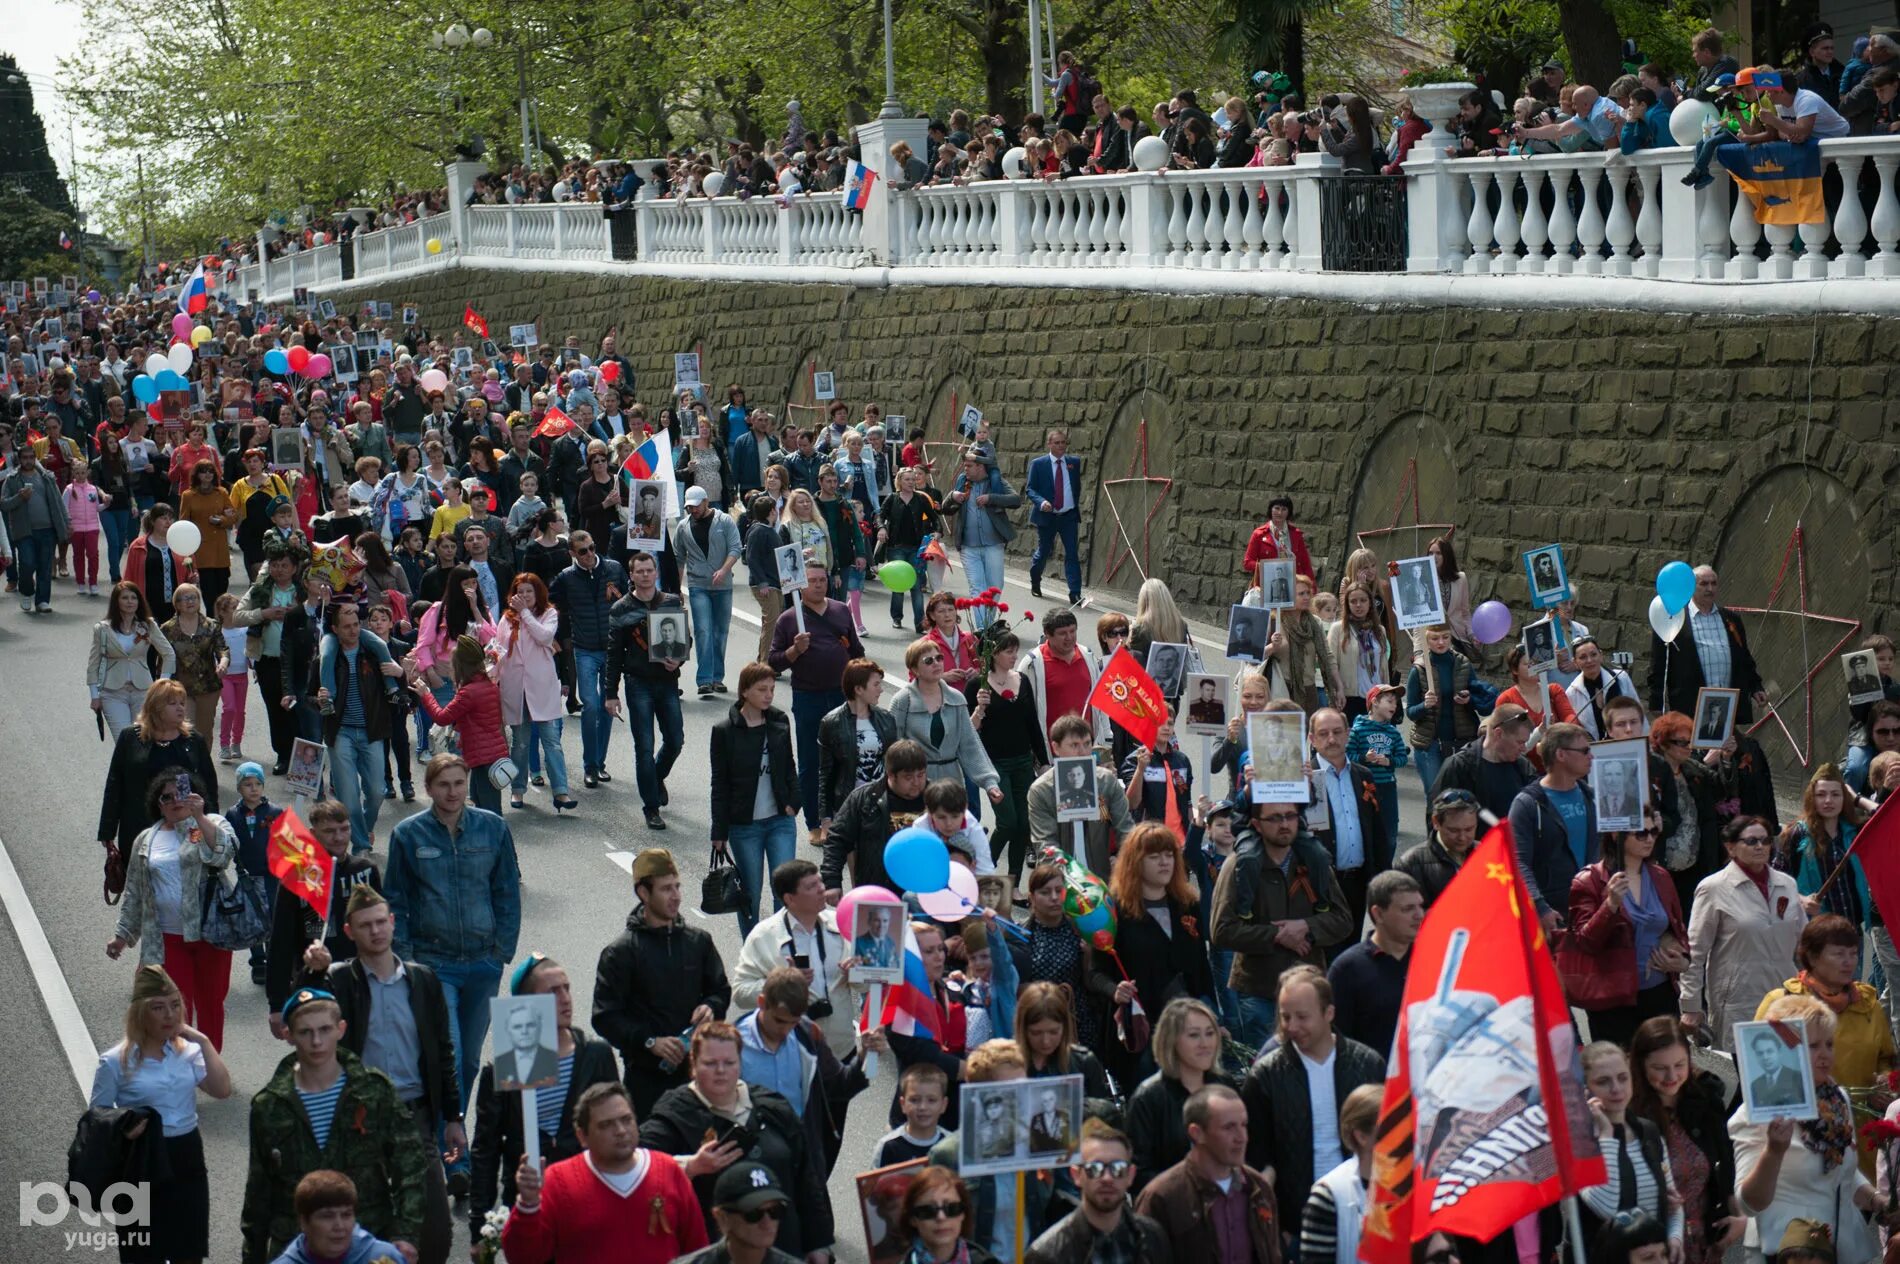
29,236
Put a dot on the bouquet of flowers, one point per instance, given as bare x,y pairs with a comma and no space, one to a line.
488,1245
988,638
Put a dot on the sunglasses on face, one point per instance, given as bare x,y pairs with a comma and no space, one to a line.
1752,840
930,660
585,552
1096,1169
937,1211
775,1211
1888,731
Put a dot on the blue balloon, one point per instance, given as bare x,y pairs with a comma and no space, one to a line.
145,389
277,361
917,860
1675,584
172,380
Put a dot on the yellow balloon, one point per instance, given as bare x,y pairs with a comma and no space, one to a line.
435,245
200,335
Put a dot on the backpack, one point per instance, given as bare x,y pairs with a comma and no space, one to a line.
1085,86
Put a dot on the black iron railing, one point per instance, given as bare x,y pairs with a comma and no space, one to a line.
1362,223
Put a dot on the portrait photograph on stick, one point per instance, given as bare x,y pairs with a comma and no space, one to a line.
1417,599
1715,717
524,1042
881,1202
1862,672
1777,1078
646,501
1204,699
1540,647
877,941
1544,571
1276,747
1276,583
1248,628
1619,781
1167,663
1077,796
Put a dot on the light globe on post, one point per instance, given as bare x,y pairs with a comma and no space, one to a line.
482,37
1151,153
455,36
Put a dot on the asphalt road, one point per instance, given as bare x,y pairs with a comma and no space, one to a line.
577,893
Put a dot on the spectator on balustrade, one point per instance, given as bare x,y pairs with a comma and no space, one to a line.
1476,125
1656,79
1594,122
1883,49
1869,108
1193,149
1711,62
907,168
949,165
1645,123
1549,82
1349,137
1821,73
1795,114
1236,145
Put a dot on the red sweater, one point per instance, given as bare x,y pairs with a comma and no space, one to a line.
582,1220
475,711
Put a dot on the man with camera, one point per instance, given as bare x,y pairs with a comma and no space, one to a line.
1594,114
805,935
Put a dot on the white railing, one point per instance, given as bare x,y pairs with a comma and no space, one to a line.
1570,215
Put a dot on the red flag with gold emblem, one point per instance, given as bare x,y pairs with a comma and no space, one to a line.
300,862
1128,695
1466,1143
554,425
472,321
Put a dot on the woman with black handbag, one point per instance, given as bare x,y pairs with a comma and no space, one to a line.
755,794
160,1066
171,872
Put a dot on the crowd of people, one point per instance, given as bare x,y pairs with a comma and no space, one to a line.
428,569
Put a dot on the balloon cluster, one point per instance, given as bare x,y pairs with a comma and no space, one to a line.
283,361
1086,903
919,861
1675,584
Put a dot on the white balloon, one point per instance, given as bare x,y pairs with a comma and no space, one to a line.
184,538
156,363
1664,624
1013,164
179,357
1688,119
1151,153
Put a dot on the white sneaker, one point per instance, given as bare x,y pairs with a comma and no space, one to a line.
26,604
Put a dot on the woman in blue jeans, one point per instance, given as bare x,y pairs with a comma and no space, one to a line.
755,798
910,516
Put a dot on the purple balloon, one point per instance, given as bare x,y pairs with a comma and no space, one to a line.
317,366
1491,622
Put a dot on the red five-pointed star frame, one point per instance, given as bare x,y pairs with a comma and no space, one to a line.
1408,489
1795,556
1122,551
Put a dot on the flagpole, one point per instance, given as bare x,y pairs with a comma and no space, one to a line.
874,1006
1573,1228
1847,855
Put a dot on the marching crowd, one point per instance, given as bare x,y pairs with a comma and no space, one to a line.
429,569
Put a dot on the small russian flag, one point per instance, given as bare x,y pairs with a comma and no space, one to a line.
643,461
65,240
195,296
858,182
910,1007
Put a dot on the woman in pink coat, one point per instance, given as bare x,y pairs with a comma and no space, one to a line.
531,695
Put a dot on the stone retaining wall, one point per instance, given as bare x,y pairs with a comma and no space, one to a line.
1630,438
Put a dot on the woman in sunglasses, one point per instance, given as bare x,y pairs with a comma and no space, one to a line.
1742,933
598,506
940,1218
1625,948
1686,789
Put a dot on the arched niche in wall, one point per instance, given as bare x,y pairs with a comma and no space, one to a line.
938,424
1407,492
1763,568
798,401
1131,495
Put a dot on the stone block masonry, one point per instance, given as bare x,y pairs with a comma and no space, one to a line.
1631,438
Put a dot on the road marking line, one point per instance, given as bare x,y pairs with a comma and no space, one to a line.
68,1023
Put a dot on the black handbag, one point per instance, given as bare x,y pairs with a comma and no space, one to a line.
719,890
235,918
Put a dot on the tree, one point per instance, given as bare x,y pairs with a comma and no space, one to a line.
25,161
29,236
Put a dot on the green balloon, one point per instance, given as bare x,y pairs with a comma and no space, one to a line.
899,577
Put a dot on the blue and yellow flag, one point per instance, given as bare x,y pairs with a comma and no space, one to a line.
1781,178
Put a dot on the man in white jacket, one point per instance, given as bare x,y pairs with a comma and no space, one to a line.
803,934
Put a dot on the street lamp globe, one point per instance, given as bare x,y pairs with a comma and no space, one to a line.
482,37
455,36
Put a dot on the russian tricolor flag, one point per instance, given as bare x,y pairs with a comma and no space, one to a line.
196,296
910,1007
65,240
858,182
644,461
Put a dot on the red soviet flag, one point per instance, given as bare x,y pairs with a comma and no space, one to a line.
1465,1143
474,323
301,863
1877,847
554,425
1128,695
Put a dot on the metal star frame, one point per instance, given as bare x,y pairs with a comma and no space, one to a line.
1124,551
1408,488
1796,554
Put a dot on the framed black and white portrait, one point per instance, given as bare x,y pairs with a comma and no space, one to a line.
1777,1078
1417,600
646,509
286,448
1540,647
1167,663
524,1042
1276,583
409,314
991,1137
463,358
877,941
824,386
1862,671
1077,796
1544,572
1276,747
1715,711
1619,783
1248,628
1204,705
326,309
666,635
791,568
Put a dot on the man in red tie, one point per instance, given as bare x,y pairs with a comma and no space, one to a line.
1054,480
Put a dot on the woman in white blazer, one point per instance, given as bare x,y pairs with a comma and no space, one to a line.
1787,1171
1746,921
118,666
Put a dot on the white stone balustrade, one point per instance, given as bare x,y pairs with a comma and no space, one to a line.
1584,215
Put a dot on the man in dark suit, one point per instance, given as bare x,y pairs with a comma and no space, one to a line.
528,1062
1049,1126
1053,487
1710,650
1344,815
1777,1084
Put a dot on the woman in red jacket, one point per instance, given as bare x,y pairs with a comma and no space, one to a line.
475,713
958,646
1627,941
1277,537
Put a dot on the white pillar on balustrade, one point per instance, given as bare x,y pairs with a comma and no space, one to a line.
1310,255
785,230
644,200
1434,191
265,236
1682,216
883,214
1012,222
461,182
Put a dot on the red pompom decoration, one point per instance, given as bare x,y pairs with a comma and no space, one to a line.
1028,616
1103,940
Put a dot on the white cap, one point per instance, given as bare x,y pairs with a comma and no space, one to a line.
695,496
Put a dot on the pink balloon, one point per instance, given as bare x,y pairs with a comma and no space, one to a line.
434,380
848,905
957,900
317,366
181,325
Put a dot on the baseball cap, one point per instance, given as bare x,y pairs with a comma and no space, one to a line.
696,496
747,1187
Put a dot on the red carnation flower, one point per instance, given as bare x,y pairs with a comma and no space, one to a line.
1028,615
1003,607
